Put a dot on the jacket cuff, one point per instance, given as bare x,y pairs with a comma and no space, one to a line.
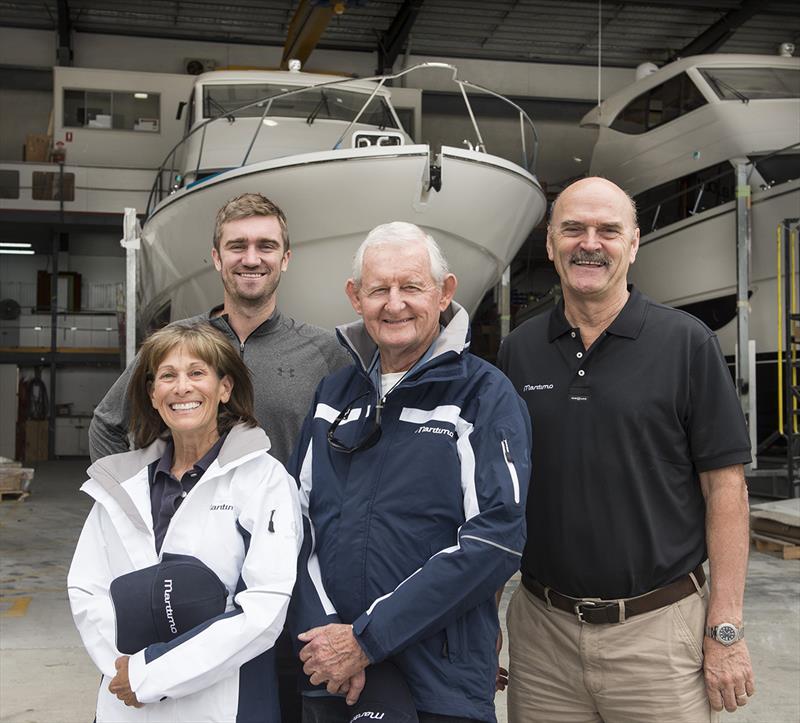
368,642
136,675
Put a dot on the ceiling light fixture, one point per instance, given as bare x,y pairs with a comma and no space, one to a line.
14,245
18,252
140,96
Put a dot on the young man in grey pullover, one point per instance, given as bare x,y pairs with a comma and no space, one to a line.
287,358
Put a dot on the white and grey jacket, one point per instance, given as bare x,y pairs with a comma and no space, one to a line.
222,670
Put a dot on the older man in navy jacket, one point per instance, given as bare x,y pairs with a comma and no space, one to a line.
413,465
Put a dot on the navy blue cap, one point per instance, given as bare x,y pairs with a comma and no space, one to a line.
158,603
386,697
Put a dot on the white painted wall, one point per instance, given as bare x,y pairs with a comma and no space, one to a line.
120,148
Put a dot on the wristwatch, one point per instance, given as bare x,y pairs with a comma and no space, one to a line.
725,633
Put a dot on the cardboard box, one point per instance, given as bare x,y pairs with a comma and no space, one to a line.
37,147
35,440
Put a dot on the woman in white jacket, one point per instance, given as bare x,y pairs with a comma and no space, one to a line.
200,486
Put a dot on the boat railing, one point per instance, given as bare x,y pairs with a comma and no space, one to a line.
168,180
688,200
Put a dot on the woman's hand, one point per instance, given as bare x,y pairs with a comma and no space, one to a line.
121,685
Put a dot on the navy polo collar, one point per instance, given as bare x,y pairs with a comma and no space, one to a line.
201,466
628,322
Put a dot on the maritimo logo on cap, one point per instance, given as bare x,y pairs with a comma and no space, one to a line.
168,606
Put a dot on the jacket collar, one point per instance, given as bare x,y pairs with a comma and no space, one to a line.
628,323
219,319
110,472
454,337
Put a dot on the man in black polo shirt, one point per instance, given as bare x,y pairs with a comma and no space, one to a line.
638,446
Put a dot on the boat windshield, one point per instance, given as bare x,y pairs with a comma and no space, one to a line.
753,83
311,104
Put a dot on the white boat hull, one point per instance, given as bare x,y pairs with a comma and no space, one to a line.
695,259
485,210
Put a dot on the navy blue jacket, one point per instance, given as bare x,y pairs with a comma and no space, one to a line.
411,538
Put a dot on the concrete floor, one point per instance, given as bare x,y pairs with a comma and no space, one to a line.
46,677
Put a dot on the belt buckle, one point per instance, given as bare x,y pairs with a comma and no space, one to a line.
595,604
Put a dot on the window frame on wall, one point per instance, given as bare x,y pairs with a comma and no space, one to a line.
78,112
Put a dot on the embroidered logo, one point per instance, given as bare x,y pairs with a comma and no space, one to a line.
536,387
220,507
168,606
424,429
287,372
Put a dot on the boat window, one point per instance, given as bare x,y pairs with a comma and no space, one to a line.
657,106
753,83
311,104
685,196
112,110
780,168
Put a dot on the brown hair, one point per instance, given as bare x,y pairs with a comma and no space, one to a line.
246,206
206,343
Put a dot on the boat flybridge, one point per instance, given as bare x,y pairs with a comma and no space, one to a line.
673,140
334,156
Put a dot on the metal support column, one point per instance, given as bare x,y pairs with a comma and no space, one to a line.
504,305
791,358
742,289
131,242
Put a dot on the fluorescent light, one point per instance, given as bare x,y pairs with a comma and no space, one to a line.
12,245
269,122
140,96
18,252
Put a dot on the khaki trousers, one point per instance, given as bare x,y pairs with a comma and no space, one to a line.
647,669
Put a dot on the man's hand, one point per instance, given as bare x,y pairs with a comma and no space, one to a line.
728,673
121,686
501,677
352,688
332,655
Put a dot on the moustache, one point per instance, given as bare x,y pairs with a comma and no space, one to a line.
587,257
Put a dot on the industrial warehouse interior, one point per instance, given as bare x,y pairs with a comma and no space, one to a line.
125,127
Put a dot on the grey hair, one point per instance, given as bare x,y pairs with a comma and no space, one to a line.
400,233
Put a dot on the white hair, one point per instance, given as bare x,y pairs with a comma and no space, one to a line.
400,233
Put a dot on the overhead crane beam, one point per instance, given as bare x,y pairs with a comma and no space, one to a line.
711,39
306,28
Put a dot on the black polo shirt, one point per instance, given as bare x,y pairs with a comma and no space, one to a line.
620,432
167,492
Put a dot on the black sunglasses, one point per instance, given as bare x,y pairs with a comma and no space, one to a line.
370,439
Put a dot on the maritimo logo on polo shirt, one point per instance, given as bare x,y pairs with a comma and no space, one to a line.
536,387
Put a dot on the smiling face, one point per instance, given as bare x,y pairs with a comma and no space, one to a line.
251,259
187,392
400,301
592,240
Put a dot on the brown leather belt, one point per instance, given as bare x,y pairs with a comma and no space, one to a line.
602,612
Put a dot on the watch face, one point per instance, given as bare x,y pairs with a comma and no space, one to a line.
726,633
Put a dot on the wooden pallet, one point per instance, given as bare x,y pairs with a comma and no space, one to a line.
17,495
773,546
